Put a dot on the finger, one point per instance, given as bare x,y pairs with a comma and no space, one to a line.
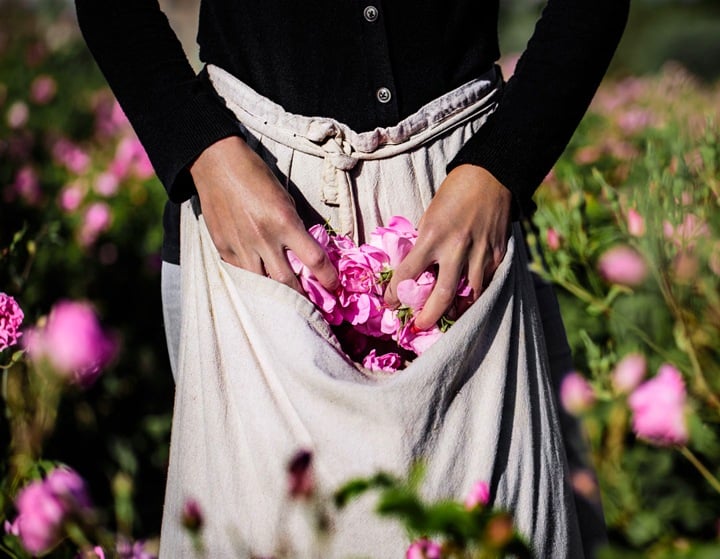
442,295
278,268
475,274
493,263
316,259
240,259
415,263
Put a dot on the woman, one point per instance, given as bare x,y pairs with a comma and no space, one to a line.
376,76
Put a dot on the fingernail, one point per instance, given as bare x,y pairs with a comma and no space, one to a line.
414,329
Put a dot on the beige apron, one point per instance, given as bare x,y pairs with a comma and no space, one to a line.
261,375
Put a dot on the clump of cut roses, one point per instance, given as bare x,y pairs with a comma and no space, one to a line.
380,337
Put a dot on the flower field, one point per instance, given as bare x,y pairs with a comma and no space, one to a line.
627,228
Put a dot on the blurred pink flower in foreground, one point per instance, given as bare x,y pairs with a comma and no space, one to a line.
553,239
43,89
43,506
635,223
11,317
133,550
622,265
97,219
479,495
192,516
658,407
424,549
73,342
96,552
629,372
576,394
301,481
388,362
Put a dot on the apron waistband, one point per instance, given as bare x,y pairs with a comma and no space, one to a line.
340,146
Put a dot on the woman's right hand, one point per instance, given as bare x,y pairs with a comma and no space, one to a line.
251,218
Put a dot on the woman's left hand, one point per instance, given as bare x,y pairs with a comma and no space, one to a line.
465,229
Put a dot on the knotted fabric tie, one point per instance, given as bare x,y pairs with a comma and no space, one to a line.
337,188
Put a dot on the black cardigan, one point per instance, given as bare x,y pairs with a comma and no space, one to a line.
330,58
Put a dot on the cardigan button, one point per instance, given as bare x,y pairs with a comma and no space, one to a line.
371,13
383,95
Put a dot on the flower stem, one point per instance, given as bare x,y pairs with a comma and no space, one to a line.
711,479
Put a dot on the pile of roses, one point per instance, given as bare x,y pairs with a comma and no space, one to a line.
380,337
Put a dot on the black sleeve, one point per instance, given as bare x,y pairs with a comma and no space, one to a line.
175,113
547,96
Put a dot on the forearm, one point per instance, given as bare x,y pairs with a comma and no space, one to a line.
175,114
546,98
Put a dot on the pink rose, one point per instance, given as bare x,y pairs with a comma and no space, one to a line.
106,184
634,120
388,362
69,488
414,293
658,407
27,185
552,238
11,317
396,239
424,549
629,372
359,269
356,307
96,552
192,516
109,117
71,196
97,219
132,550
12,528
301,481
18,114
376,323
73,342
43,89
479,495
622,265
325,301
576,394
40,515
130,157
635,223
43,506
74,158
416,340
686,235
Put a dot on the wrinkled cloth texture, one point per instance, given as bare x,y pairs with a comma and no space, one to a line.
261,375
